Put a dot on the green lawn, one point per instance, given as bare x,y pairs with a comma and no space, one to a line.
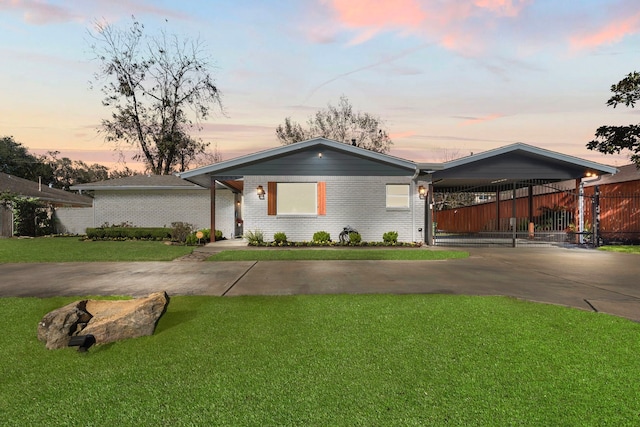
331,360
70,249
351,254
629,249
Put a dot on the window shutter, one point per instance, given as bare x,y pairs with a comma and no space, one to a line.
322,198
272,207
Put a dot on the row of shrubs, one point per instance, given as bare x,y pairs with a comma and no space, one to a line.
179,232
323,238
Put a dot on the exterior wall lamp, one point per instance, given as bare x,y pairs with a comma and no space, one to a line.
422,192
260,192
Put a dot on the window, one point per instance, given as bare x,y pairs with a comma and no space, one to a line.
398,196
297,198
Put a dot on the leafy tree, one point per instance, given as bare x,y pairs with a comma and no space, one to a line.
615,139
159,89
16,160
340,123
66,172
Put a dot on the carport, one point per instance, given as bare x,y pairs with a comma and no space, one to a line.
514,195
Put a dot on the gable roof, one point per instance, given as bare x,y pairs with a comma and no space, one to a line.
139,182
304,158
515,162
533,152
24,187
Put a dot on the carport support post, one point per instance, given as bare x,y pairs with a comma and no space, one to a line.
213,210
428,207
514,218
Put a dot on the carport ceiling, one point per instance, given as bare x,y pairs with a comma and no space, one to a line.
519,163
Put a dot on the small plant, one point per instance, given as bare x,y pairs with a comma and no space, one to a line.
390,237
180,231
354,238
280,238
254,238
321,237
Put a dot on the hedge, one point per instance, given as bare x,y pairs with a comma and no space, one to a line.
148,233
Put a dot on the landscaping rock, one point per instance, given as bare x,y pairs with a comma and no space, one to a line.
57,327
107,321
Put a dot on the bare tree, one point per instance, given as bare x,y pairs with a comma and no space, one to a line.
159,89
341,124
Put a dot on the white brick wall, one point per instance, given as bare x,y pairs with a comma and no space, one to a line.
153,208
356,201
73,220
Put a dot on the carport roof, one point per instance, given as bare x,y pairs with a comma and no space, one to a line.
514,163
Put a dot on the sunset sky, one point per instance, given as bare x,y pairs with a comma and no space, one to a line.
449,77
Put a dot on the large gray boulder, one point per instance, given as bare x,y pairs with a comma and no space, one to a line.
107,321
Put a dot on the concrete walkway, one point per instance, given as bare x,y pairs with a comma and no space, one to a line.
583,278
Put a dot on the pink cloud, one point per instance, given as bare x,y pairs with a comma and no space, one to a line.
461,25
39,12
400,135
611,32
44,12
475,120
502,7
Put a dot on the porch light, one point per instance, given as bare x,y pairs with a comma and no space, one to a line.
422,192
260,192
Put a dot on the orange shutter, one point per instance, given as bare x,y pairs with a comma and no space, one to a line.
322,198
272,207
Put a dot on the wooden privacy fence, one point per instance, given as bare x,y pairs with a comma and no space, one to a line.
551,210
619,216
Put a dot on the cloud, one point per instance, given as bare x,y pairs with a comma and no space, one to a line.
476,120
474,27
45,12
39,12
400,135
608,33
456,25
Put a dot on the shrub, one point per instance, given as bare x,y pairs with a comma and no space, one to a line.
321,237
254,238
122,233
280,238
180,231
217,234
390,237
354,238
31,216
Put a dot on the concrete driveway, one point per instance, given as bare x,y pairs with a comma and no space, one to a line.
582,278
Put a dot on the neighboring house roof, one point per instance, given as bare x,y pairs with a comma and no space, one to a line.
625,173
139,182
26,188
317,156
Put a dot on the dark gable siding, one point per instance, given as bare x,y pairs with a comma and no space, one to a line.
309,163
514,165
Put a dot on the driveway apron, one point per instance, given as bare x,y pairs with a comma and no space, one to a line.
586,279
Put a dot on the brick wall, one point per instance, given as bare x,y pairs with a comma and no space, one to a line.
152,208
73,220
356,201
